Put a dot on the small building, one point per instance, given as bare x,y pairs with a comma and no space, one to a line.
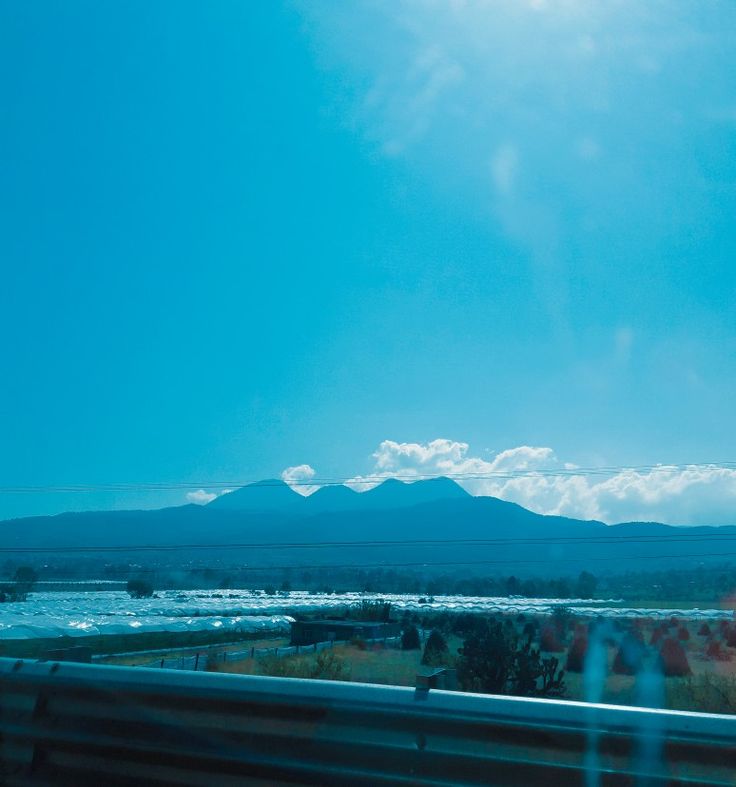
307,632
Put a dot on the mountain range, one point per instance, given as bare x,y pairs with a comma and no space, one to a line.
388,525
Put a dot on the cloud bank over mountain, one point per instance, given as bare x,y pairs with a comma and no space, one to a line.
200,497
534,477
297,477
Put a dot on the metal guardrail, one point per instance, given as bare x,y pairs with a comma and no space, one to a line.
80,724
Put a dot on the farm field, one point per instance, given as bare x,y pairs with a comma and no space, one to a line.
710,686
209,622
78,614
387,666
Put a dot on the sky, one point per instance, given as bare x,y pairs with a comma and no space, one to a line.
331,240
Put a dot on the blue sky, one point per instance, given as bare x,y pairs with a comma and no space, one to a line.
238,237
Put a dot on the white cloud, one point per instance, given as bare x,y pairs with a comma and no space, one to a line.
504,165
408,112
201,497
296,477
535,478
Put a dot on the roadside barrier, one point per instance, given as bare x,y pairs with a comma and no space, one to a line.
88,724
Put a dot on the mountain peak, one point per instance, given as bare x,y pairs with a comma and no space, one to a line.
333,497
271,494
396,493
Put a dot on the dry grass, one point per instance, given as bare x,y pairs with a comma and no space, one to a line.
707,693
711,688
144,658
385,666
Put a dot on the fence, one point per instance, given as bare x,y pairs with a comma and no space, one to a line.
86,724
199,661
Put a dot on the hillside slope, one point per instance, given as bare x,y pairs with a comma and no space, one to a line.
388,521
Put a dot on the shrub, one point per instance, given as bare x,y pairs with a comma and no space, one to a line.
373,611
630,655
704,630
673,659
549,639
576,654
467,622
329,666
24,580
326,665
683,634
657,635
410,638
276,667
139,588
493,660
561,618
706,693
530,630
714,651
436,651
586,585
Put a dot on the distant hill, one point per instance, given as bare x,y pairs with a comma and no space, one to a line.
272,513
269,495
276,495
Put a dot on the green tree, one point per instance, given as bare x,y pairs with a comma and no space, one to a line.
24,581
139,588
371,611
513,586
494,660
586,585
410,638
436,651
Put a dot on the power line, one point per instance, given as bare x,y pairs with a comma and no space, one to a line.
476,475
